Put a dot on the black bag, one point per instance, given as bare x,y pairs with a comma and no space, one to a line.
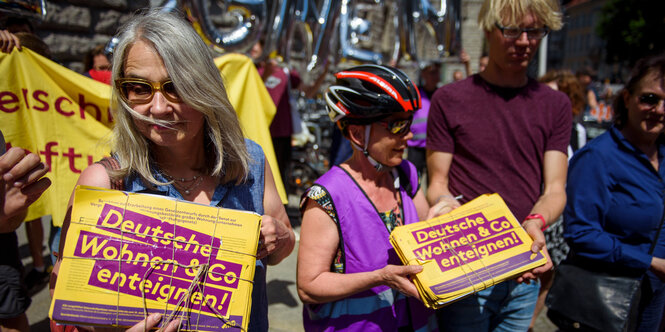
584,300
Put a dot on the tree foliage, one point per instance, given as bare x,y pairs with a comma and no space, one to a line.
632,29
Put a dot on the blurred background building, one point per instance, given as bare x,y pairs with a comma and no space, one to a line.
71,28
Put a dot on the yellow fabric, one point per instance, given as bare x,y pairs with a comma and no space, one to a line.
64,117
40,111
252,102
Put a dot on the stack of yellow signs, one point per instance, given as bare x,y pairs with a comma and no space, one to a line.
477,245
129,255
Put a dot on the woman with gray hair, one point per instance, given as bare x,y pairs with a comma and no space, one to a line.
177,135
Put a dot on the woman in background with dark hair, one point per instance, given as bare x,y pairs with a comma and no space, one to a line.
97,65
616,188
565,81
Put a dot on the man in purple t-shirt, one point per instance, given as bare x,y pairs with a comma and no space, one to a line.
500,131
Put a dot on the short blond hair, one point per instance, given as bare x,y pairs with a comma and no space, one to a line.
511,12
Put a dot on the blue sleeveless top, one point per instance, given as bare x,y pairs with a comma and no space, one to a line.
246,196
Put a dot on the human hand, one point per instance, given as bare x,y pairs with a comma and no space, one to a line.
274,235
151,321
21,183
270,66
464,57
142,326
397,277
532,227
445,204
658,267
7,41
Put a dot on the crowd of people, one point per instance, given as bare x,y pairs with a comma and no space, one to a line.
597,205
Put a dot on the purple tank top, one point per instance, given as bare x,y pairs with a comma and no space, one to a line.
419,125
365,242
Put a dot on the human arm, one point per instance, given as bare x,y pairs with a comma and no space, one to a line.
277,238
552,200
21,184
318,245
422,207
439,196
269,67
311,90
7,41
592,101
466,61
657,266
94,175
550,204
603,217
425,212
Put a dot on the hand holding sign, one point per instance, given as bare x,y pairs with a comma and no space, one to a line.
21,184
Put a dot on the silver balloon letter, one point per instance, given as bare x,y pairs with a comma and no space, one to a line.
243,21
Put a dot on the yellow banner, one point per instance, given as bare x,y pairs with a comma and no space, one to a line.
64,117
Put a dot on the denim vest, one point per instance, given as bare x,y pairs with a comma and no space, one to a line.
246,196
366,248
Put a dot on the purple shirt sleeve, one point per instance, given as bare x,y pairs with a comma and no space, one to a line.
439,137
295,79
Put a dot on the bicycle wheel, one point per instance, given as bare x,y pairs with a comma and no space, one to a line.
300,177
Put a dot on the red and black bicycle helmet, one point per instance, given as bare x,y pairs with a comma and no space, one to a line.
368,93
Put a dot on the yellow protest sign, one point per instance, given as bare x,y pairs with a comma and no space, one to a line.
128,255
476,246
64,117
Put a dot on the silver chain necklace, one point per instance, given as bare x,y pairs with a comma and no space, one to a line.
179,184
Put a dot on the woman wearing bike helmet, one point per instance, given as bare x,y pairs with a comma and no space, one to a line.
349,276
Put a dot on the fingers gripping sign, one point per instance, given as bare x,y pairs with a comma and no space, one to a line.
7,41
533,228
274,235
397,277
21,182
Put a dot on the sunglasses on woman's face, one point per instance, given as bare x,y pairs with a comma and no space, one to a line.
650,99
397,127
139,91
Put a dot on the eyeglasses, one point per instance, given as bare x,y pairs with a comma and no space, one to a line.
650,100
531,33
139,91
397,127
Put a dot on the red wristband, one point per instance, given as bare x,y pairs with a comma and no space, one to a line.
538,216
